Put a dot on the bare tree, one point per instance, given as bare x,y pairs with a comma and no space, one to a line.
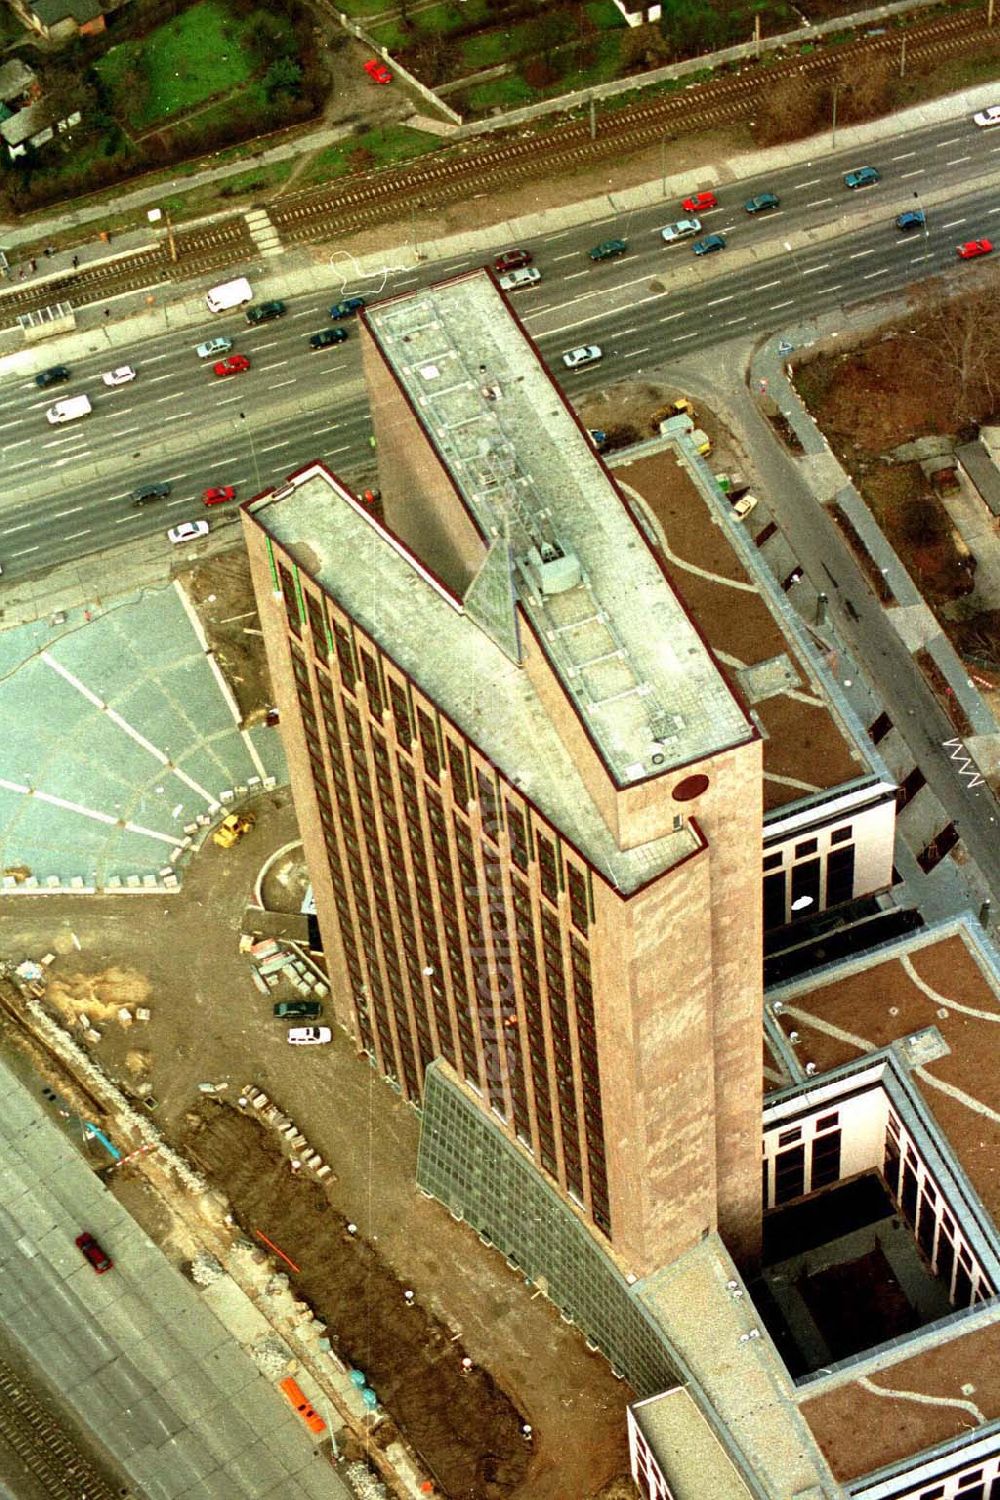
959,338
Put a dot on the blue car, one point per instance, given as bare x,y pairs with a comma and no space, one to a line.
861,177
762,202
347,307
912,219
708,244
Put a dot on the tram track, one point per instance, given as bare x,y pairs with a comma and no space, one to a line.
49,1454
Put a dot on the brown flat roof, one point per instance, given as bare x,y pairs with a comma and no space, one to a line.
936,982
806,748
940,984
882,1419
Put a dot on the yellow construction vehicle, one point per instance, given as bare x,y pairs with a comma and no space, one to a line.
232,828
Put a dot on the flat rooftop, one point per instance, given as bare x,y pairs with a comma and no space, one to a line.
943,979
336,541
807,748
620,639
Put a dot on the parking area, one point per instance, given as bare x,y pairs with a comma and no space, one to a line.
119,733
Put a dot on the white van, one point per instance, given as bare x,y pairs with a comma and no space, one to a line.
230,294
69,409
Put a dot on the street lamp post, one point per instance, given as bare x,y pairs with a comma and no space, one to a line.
253,451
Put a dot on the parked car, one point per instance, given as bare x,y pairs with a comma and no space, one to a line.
265,312
862,177
297,1010
233,364
598,437
608,249
121,376
94,1252
55,375
583,354
682,230
377,71
211,347
309,1036
187,531
218,494
709,244
912,219
512,260
516,281
346,307
327,337
743,506
149,492
972,249
699,203
762,202
987,117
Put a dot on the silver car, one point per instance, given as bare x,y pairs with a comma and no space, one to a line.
682,230
212,347
584,354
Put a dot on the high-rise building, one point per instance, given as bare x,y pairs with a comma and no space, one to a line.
530,800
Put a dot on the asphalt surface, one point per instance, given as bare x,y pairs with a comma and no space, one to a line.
66,488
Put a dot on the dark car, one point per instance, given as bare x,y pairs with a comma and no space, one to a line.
862,177
54,376
709,244
912,219
99,1258
297,1010
327,337
762,202
345,308
608,249
512,260
148,492
265,311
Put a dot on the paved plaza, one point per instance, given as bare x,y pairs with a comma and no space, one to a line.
119,732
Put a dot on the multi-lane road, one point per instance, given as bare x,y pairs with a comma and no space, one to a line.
66,489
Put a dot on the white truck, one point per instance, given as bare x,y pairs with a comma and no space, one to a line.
230,294
69,409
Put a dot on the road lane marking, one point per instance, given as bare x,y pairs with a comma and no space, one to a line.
903,156
811,270
957,161
872,274
811,183
917,172
71,512
777,306
818,202
860,254
718,301
952,223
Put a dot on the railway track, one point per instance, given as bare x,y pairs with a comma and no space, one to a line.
723,101
45,1449
379,197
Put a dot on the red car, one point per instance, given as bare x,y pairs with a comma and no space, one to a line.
236,364
972,248
219,494
698,203
512,260
99,1259
377,71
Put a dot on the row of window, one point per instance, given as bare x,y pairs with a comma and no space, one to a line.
360,666
392,828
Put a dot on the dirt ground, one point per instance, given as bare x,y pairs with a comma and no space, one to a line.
179,956
465,1427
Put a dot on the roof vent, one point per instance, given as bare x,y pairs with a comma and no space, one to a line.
552,570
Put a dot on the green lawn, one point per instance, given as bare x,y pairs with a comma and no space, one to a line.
376,148
198,55
509,93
